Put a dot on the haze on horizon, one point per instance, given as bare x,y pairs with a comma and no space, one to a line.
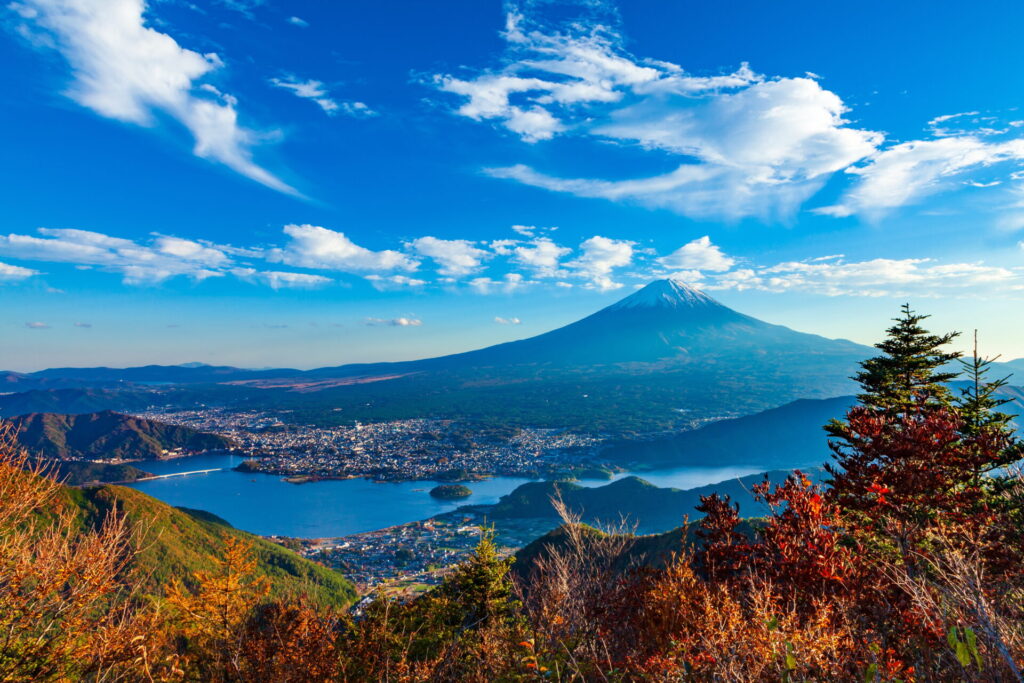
269,184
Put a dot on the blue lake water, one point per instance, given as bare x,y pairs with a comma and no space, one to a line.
266,505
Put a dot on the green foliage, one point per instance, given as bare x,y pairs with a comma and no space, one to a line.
979,401
451,629
107,435
451,491
76,472
178,543
909,368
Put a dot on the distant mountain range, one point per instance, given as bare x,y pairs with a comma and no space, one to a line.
659,359
76,400
631,500
107,435
666,322
779,438
786,437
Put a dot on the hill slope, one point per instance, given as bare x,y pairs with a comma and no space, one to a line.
652,508
88,400
76,473
178,542
779,438
107,435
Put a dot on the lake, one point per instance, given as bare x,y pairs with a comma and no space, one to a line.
266,505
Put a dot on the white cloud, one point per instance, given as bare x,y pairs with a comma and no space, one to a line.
873,277
84,325
358,110
700,254
561,71
747,145
276,279
312,246
508,284
541,255
394,322
317,92
598,258
138,264
907,172
455,258
309,90
37,326
190,251
296,21
11,273
507,321
126,71
392,282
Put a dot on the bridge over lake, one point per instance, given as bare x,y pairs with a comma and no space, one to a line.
181,474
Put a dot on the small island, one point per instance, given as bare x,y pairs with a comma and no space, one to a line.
450,491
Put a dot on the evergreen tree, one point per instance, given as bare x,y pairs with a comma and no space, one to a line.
979,401
909,371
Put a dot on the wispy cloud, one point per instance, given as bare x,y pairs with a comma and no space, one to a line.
125,70
317,92
276,279
308,90
919,277
9,273
394,322
507,321
37,326
747,144
906,173
138,264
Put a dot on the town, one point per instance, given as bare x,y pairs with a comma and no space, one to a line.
408,559
396,450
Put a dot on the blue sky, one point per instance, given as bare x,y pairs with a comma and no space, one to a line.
310,183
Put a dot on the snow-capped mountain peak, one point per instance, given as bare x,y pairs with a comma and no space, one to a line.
665,294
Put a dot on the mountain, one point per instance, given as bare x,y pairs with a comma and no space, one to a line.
663,358
78,473
786,437
177,542
79,400
789,436
189,373
107,435
666,322
630,499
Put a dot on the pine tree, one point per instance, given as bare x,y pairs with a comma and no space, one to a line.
909,371
979,401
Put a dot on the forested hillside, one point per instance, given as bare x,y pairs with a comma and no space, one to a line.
107,435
